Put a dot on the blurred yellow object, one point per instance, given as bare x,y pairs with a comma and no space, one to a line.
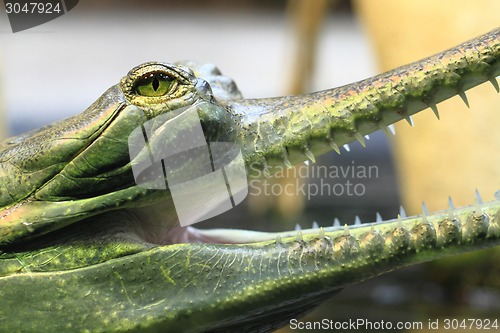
459,153
306,19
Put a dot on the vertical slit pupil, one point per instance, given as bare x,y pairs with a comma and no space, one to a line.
155,83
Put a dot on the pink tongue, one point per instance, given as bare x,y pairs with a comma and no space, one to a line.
190,234
178,235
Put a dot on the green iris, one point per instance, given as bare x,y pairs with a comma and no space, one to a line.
154,85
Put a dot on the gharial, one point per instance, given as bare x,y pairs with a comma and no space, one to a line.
83,248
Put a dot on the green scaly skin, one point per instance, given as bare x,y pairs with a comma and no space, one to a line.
82,247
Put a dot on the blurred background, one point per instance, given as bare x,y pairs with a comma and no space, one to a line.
273,48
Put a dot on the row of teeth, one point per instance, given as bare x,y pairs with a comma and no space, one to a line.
402,215
388,130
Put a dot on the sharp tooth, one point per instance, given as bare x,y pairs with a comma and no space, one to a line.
306,163
297,227
335,147
310,155
287,163
425,212
400,222
357,220
402,212
384,129
434,109
321,233
336,222
451,210
299,236
463,96
378,217
346,147
450,203
315,225
346,230
479,202
409,119
495,84
367,137
359,137
392,128
278,239
266,168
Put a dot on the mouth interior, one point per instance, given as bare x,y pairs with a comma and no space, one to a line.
189,234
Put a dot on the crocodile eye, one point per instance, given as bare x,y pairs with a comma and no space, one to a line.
154,85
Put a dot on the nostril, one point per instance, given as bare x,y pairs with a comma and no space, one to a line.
204,87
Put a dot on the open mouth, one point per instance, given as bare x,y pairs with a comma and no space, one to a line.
156,233
235,236
153,226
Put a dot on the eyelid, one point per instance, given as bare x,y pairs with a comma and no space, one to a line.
160,74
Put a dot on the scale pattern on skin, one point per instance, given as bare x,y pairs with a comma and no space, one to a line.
92,281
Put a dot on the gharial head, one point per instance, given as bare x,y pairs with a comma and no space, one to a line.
73,169
101,253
